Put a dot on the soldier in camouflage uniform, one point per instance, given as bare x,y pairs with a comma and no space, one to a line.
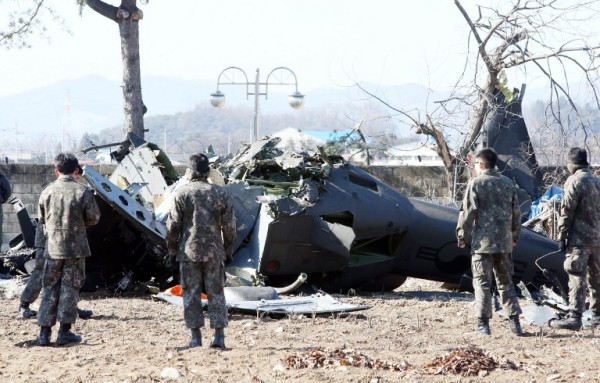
200,235
489,222
34,283
579,235
65,209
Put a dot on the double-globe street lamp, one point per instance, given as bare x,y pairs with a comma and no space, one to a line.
278,76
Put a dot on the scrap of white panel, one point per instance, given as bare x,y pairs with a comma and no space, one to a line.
127,205
319,303
141,167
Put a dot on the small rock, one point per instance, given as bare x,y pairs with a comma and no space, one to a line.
170,372
279,329
278,368
552,377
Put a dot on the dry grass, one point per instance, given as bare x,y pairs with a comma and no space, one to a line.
421,329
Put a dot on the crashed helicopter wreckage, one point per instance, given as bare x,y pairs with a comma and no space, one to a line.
304,213
296,213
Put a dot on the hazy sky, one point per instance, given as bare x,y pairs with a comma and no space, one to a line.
325,42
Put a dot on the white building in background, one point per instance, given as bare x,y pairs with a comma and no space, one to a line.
22,156
103,156
410,155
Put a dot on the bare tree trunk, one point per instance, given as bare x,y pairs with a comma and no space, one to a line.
127,16
132,82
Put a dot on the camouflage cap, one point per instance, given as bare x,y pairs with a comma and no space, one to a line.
578,156
198,163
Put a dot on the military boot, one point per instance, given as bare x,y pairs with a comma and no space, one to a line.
219,339
45,333
25,312
572,322
65,336
483,326
84,314
196,338
515,325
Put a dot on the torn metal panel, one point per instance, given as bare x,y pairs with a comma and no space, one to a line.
508,135
289,160
284,206
134,211
246,261
536,315
161,211
256,150
141,167
320,303
246,208
307,243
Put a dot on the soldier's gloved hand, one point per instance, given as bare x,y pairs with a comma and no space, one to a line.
562,245
228,259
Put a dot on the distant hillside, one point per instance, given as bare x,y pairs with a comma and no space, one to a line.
179,112
90,104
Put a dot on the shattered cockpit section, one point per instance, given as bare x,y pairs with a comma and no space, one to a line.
318,222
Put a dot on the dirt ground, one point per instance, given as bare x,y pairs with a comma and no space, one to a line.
418,333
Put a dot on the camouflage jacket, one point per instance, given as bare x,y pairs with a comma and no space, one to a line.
579,220
201,222
489,220
66,208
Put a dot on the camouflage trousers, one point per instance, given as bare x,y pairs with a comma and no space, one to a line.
34,283
484,267
211,276
583,266
61,280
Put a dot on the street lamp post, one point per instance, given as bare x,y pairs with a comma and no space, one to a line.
278,76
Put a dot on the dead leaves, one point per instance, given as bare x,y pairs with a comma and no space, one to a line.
323,358
466,362
461,361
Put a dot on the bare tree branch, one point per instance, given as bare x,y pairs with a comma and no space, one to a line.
26,22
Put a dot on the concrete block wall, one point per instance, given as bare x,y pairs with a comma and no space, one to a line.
27,181
414,181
